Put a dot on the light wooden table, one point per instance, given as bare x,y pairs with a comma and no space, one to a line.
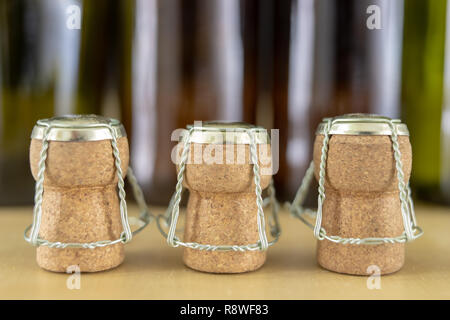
152,270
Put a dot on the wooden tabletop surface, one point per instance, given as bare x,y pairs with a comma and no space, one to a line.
152,270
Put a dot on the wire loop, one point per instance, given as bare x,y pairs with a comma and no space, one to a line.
172,213
125,237
411,230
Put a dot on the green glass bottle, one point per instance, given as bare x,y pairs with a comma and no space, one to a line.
423,97
48,68
26,94
103,75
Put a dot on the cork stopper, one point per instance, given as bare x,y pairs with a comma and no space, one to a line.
362,192
222,207
80,203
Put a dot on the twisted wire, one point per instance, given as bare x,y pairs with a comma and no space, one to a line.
178,190
258,191
145,216
304,186
401,182
39,190
172,213
274,223
126,235
411,230
321,198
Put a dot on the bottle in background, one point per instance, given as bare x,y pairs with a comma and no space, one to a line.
328,62
50,67
425,96
192,60
103,76
26,92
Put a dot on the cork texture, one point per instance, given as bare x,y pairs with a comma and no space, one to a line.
362,200
80,203
222,211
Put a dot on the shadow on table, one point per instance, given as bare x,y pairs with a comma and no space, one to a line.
153,260
289,260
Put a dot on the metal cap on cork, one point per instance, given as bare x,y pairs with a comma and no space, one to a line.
362,124
86,127
219,132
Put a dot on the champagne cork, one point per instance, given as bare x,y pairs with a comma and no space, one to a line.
80,210
365,216
222,209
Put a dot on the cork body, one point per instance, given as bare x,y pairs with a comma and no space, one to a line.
362,200
222,209
80,203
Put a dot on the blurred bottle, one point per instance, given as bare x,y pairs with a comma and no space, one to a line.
104,71
192,60
425,96
329,62
50,66
26,93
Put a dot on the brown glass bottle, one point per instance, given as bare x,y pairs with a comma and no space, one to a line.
192,60
328,62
